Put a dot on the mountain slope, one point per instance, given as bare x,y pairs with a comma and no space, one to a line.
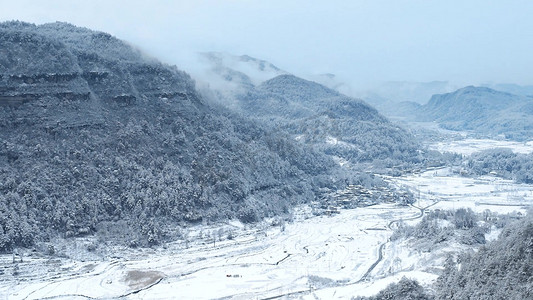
345,128
522,90
482,110
95,137
337,125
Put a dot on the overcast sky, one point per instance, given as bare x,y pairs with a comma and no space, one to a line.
469,42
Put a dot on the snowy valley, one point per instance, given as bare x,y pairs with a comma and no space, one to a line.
122,177
331,256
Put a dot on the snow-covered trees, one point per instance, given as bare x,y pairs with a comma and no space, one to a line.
329,122
75,166
405,289
502,269
503,162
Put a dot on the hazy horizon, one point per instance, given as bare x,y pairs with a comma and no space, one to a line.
363,42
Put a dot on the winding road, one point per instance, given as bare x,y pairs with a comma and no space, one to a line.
380,258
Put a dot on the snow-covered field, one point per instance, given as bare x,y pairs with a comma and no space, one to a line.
452,191
315,257
310,254
470,145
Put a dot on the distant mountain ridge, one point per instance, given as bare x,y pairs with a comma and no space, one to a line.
521,90
346,128
482,110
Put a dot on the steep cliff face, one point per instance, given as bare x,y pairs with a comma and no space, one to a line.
94,134
72,75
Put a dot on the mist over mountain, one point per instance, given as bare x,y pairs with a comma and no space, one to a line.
398,99
480,110
96,137
243,70
345,128
266,150
333,82
400,91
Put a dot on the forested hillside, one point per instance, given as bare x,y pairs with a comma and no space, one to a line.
501,270
94,135
333,123
504,163
345,128
481,110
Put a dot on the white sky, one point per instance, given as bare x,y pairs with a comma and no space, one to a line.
471,42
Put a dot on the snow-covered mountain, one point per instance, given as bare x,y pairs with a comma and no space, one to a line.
347,128
316,114
96,138
482,110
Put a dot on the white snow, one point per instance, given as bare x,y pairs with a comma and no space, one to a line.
315,257
470,145
269,262
479,194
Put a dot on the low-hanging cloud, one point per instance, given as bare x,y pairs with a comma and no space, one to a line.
363,42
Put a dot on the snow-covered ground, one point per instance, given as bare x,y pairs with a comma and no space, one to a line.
453,191
471,145
315,257
325,257
303,256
